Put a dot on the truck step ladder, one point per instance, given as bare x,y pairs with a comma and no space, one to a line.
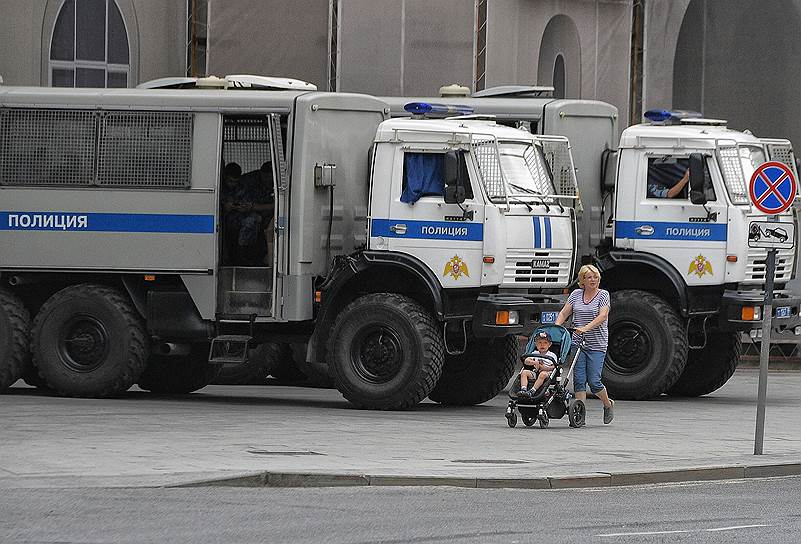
229,348
246,290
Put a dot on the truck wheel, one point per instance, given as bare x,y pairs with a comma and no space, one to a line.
647,346
15,326
479,374
179,375
385,352
262,360
709,368
88,341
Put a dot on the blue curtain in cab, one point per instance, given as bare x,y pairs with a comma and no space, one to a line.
423,175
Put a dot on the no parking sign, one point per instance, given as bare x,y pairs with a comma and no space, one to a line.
772,188
772,191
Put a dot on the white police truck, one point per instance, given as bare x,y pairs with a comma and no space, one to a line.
684,282
405,252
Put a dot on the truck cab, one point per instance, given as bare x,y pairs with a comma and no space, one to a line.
497,222
468,238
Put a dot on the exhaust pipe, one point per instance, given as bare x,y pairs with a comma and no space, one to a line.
169,349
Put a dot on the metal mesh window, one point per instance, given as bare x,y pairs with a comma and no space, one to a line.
557,153
485,155
729,160
782,151
246,141
47,147
145,149
536,165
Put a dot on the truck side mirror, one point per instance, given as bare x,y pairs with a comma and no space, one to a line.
697,193
454,194
454,184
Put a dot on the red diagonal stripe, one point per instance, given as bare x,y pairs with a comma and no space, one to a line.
772,188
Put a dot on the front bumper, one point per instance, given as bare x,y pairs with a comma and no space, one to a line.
529,314
733,302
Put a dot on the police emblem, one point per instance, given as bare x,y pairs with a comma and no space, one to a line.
700,266
456,267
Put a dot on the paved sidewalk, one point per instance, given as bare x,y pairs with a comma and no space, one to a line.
273,435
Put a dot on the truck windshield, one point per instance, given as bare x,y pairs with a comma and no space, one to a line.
525,169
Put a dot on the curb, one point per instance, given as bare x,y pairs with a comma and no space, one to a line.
597,479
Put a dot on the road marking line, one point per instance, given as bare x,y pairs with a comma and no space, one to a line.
712,530
646,533
735,527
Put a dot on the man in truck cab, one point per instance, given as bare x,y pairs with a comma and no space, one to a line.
667,177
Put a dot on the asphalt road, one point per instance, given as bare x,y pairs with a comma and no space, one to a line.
762,510
143,440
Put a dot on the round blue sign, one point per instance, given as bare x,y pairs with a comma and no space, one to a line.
772,188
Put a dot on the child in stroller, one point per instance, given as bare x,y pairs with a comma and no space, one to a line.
551,400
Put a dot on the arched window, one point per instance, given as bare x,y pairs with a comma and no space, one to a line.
559,77
89,47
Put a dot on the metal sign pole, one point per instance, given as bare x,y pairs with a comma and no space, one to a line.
764,352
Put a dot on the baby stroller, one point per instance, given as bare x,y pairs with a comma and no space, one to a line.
552,400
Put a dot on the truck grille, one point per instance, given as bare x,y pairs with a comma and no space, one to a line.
755,269
536,268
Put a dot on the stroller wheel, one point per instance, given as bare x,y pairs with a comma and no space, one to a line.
511,418
544,420
528,421
576,412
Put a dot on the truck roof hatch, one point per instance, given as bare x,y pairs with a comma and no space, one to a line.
515,91
239,81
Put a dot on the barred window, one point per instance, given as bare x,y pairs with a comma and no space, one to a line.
86,148
47,147
145,149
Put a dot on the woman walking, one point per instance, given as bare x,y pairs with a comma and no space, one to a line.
589,306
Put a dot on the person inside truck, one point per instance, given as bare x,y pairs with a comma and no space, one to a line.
667,177
261,190
245,201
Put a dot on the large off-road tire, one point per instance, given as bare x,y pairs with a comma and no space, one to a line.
647,346
385,352
15,326
88,341
479,374
262,361
709,368
181,374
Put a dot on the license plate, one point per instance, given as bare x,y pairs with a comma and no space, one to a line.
783,311
550,317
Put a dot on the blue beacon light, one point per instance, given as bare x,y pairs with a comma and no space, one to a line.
661,116
425,108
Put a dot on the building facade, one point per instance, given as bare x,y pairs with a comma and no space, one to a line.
92,43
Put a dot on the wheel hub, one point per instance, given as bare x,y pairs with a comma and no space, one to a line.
630,347
83,343
377,354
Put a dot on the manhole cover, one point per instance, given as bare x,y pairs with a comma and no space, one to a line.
490,461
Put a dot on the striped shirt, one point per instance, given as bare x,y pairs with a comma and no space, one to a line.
584,312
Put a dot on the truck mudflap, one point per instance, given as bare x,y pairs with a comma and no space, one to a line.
489,319
737,310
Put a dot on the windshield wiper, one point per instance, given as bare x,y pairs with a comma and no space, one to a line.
532,192
521,201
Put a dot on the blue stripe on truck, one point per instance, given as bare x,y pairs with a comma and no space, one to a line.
107,222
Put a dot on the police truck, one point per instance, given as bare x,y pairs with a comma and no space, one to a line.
402,255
